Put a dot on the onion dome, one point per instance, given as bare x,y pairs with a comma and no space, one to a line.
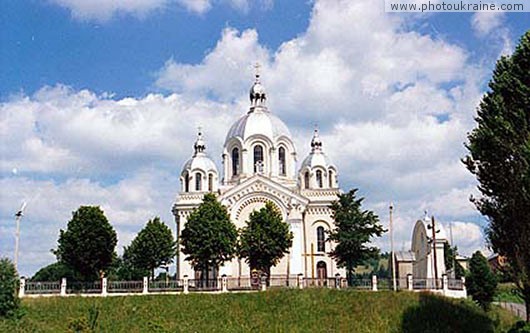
200,160
317,156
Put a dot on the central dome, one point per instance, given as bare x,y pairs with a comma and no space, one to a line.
258,122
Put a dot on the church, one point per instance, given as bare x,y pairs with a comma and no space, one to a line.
259,165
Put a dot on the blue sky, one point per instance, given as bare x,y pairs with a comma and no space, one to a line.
100,103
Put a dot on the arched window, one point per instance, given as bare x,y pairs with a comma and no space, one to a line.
258,158
281,161
235,162
187,182
306,179
330,176
198,182
321,241
210,183
319,178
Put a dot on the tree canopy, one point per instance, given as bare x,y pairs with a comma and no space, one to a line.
55,272
209,238
265,239
153,247
87,245
9,301
481,283
354,229
499,156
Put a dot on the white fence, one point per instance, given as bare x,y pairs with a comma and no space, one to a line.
444,286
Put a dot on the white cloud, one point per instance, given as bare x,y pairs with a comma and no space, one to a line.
393,105
103,10
127,204
484,23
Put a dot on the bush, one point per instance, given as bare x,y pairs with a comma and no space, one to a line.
520,327
9,302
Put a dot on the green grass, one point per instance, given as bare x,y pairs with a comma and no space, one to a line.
506,293
320,310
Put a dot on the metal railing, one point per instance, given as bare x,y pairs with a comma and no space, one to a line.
455,284
42,288
363,284
283,281
427,284
104,287
125,286
242,283
170,285
84,287
204,285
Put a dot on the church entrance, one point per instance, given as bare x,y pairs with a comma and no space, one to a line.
322,273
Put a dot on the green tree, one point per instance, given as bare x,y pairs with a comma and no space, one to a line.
209,238
88,243
265,239
481,283
55,272
354,228
123,270
9,301
450,254
499,156
153,247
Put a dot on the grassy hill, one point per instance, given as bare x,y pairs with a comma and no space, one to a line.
320,310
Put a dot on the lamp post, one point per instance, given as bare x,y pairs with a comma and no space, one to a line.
392,256
18,217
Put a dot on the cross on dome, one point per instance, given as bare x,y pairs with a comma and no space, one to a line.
257,67
200,145
316,143
257,91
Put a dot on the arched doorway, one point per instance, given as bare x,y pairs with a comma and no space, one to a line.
322,273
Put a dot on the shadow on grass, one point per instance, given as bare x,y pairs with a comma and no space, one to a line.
440,314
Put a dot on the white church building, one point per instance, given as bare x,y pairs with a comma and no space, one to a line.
260,165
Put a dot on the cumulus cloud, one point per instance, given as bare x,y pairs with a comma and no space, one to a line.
393,105
103,10
128,204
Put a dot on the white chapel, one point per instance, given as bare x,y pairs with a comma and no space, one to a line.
260,165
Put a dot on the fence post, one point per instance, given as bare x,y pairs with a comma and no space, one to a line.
300,281
63,287
374,282
145,288
263,282
224,284
445,283
104,286
337,281
185,284
22,287
409,282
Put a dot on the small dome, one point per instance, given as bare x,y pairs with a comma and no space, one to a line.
317,157
314,160
258,122
199,163
199,160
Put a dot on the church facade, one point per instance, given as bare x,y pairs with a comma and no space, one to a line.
260,165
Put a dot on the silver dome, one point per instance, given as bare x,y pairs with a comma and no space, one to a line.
258,122
199,162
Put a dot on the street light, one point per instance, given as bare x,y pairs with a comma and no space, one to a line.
392,255
18,217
